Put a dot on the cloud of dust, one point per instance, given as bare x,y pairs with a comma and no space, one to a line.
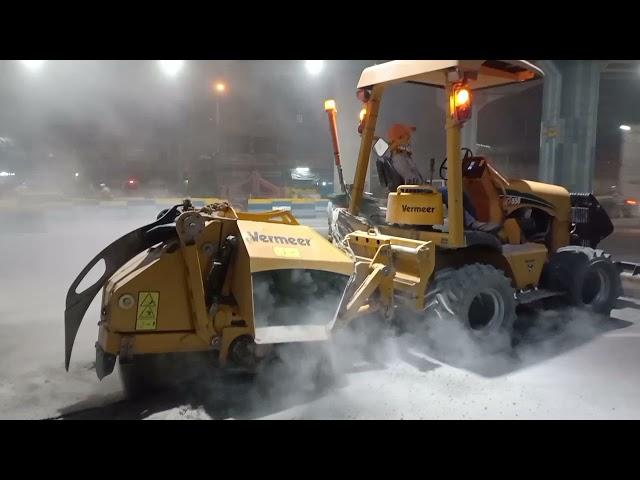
41,253
539,335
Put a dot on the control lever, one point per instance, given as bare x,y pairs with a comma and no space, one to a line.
432,166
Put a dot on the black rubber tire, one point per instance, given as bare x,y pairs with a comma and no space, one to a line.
139,376
324,375
462,295
278,378
146,374
362,340
590,279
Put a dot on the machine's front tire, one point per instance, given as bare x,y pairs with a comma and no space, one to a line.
146,374
478,297
278,377
139,376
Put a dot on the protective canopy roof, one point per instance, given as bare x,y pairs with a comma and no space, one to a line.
490,73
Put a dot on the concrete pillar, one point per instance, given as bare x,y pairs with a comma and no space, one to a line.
550,152
580,111
629,179
569,122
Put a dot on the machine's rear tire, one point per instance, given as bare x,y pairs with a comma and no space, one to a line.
589,278
478,297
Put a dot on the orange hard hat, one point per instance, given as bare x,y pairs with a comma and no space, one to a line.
398,131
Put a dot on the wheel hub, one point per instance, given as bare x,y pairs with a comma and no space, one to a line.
595,288
486,310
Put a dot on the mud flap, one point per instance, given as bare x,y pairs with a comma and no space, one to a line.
115,256
105,362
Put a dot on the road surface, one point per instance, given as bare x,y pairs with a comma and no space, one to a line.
624,242
581,368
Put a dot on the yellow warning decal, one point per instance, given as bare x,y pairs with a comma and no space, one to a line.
286,252
146,318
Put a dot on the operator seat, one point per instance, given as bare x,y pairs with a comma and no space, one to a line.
391,179
387,175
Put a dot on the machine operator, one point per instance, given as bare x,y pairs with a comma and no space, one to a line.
399,137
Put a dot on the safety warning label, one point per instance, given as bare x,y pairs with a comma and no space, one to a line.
147,315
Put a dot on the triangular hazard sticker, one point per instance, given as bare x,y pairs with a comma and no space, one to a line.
147,301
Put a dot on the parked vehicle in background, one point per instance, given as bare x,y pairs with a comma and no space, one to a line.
618,205
132,184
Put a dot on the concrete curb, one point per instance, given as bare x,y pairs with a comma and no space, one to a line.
630,285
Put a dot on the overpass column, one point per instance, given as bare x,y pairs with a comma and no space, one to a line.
550,143
569,122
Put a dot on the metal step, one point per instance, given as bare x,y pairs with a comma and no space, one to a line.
529,296
629,267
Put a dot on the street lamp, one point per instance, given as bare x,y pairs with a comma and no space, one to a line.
625,128
171,68
219,88
32,65
314,67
